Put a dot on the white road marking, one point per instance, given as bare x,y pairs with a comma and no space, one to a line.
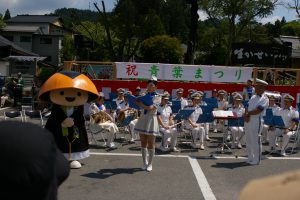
201,179
137,155
187,156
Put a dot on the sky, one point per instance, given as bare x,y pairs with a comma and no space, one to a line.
37,7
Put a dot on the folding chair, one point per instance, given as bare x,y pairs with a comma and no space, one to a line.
94,129
124,125
33,114
9,115
23,108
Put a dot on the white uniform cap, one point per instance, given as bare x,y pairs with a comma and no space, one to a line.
261,82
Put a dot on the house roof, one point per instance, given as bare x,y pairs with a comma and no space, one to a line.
5,42
29,29
33,19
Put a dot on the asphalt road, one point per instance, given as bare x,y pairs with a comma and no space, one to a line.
189,174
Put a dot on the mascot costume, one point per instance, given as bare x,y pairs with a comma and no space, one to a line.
68,91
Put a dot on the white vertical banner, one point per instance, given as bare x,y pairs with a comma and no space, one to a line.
230,74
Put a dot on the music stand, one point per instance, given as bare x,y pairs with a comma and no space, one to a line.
131,102
176,106
183,114
111,104
213,102
224,115
274,121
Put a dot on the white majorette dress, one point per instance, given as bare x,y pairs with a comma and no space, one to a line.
147,124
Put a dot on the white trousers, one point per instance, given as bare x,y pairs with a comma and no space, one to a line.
264,134
131,126
206,129
198,133
285,138
253,131
237,133
169,133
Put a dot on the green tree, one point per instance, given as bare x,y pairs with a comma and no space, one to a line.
163,48
238,13
174,16
7,15
291,28
68,52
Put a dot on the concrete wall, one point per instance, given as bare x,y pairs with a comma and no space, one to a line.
4,68
17,39
47,50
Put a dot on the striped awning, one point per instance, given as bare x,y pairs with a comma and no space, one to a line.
25,58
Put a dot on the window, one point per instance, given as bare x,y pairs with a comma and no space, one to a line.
10,38
48,59
45,40
25,39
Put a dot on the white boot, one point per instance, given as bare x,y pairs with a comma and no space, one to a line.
151,155
75,164
145,161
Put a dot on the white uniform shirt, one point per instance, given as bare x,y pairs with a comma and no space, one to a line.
165,112
238,110
194,116
258,101
183,101
121,104
95,109
223,104
288,115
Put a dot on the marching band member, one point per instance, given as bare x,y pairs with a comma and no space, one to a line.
100,117
290,117
222,105
130,111
138,91
214,94
257,106
206,125
237,131
275,109
179,97
165,120
147,125
248,91
197,129
189,98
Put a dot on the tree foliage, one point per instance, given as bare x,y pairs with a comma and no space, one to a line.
6,15
2,23
131,29
163,49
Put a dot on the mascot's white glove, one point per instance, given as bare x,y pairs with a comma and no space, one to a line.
68,122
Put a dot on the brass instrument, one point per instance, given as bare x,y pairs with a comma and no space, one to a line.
101,117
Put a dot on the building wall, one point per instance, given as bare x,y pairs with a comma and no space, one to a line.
4,68
18,39
50,50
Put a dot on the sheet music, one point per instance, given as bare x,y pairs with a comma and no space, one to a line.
222,113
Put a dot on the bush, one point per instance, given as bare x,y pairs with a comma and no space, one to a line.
162,49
